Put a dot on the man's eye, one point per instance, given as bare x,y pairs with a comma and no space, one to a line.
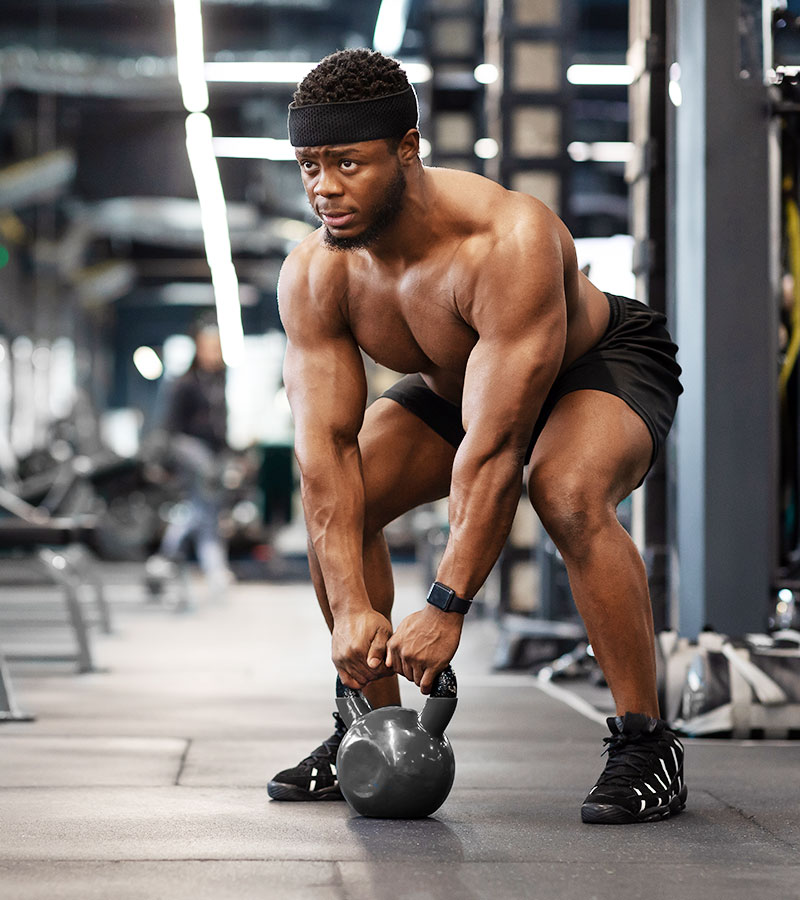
347,164
306,164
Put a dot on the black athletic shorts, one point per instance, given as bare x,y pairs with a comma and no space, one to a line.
634,360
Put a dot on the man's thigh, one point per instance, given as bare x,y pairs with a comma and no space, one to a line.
594,444
405,462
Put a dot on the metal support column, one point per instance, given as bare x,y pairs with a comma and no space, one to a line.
647,176
723,294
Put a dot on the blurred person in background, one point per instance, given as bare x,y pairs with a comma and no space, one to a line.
195,424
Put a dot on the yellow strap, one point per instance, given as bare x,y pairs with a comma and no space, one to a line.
793,236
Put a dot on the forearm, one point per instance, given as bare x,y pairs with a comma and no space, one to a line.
484,496
333,502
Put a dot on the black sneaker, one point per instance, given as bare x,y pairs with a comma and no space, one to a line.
643,778
315,777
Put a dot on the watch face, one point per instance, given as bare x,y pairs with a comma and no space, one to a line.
440,596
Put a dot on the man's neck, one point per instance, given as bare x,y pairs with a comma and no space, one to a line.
409,237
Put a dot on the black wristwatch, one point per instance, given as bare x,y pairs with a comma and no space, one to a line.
445,599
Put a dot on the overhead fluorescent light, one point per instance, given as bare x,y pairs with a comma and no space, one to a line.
486,73
600,74
213,211
203,162
253,148
287,72
601,151
189,42
229,312
486,148
257,72
214,216
390,26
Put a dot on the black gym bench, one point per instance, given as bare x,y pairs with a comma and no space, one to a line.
57,545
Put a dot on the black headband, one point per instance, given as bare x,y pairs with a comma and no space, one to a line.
353,120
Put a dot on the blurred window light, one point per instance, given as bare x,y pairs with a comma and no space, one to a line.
425,148
390,26
601,151
486,73
63,377
486,148
147,363
119,430
178,352
253,148
599,74
289,72
189,42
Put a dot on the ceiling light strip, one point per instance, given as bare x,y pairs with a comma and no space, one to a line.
600,74
390,26
255,72
200,148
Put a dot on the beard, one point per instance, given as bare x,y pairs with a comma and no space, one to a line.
384,213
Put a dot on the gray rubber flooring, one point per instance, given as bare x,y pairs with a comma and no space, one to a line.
146,780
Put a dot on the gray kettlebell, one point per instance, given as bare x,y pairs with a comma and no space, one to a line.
395,763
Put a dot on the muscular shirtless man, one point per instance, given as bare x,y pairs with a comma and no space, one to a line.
515,358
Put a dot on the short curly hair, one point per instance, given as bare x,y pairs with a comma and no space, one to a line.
351,75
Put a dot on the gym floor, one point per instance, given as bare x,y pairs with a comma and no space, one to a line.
147,779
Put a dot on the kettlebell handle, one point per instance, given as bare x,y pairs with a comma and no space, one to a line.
441,704
445,684
436,714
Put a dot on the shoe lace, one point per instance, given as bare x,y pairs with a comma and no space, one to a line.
325,752
629,756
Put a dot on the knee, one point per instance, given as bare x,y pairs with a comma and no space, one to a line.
572,510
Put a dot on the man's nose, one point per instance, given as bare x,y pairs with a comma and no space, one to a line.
327,185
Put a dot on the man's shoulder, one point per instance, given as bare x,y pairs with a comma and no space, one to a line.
313,264
492,213
312,282
314,270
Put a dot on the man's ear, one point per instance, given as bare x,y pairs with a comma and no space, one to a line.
408,149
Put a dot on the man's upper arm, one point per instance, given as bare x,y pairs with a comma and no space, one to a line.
518,309
323,369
